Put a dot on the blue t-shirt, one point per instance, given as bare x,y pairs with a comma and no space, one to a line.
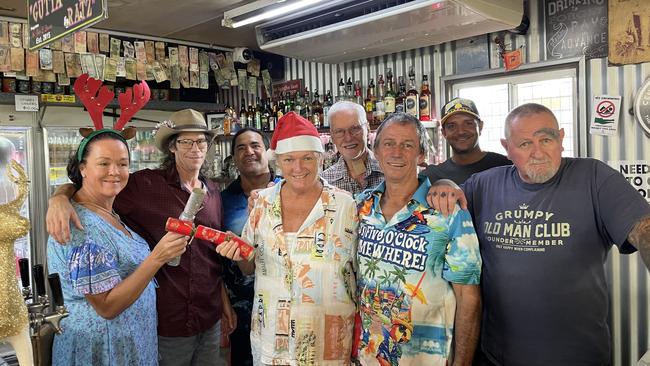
545,298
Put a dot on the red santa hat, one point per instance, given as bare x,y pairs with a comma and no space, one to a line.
294,133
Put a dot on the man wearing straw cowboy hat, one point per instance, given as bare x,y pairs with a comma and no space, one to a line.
190,297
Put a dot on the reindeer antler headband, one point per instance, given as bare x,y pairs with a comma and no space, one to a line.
131,102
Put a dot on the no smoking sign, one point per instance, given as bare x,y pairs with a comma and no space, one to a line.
605,115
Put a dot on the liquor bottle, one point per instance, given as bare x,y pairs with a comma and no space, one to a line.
251,115
370,102
401,96
327,104
412,98
348,90
276,113
258,115
288,107
357,93
306,112
300,103
341,92
243,114
425,100
389,99
266,113
280,104
317,111
380,109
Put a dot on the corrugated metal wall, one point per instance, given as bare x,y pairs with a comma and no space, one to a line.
628,276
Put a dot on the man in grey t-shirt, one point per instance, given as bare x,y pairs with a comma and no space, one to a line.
545,226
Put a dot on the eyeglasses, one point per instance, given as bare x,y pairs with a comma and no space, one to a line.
187,144
353,131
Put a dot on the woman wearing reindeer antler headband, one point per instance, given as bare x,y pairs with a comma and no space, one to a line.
107,269
190,297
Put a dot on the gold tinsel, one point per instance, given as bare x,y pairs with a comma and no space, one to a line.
13,312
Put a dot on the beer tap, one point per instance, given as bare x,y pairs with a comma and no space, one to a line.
23,265
39,298
60,311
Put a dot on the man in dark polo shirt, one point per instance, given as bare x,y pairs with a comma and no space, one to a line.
461,127
191,297
248,147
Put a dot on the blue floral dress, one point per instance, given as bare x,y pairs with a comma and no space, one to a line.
93,262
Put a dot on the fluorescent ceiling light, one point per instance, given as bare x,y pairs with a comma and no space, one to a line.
296,5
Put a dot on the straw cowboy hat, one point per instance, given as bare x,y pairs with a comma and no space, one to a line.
186,120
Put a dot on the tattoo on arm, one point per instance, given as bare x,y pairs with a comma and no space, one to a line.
640,238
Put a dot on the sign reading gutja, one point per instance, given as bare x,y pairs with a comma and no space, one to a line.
50,20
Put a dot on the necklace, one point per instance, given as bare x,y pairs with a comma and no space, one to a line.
111,213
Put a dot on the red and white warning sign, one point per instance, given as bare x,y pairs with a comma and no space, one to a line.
605,115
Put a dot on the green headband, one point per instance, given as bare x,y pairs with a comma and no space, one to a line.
92,135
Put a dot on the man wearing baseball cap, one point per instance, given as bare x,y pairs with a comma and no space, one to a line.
461,127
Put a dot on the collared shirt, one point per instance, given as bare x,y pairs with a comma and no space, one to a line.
189,296
337,175
406,267
304,309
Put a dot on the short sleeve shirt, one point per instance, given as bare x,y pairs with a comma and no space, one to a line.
406,267
303,309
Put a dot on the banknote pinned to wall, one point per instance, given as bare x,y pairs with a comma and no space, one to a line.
80,42
204,80
116,44
130,68
148,68
150,51
17,59
56,45
242,79
25,35
158,72
104,42
45,75
120,70
88,64
5,59
67,44
141,69
266,81
73,65
140,53
31,59
129,49
221,80
173,56
58,62
45,58
4,33
92,40
204,62
100,62
183,58
252,84
194,79
175,77
194,59
185,77
62,79
160,51
16,35
110,69
253,67
629,32
212,59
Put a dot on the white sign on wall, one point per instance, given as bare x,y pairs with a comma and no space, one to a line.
637,173
606,111
26,103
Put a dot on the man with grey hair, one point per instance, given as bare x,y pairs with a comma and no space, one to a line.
356,168
418,270
546,226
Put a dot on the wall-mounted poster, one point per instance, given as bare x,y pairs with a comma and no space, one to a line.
576,28
629,31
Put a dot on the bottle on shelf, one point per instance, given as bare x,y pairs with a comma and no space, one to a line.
300,103
401,96
251,115
412,96
276,113
390,98
425,100
306,112
327,104
341,91
380,109
317,110
266,114
370,102
243,113
348,89
258,115
358,98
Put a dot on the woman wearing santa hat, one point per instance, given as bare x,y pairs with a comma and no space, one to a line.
305,233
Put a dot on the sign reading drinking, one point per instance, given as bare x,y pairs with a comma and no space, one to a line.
50,20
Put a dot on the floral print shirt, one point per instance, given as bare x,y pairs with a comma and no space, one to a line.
406,267
303,309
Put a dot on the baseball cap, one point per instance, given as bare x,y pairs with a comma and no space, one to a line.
458,105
